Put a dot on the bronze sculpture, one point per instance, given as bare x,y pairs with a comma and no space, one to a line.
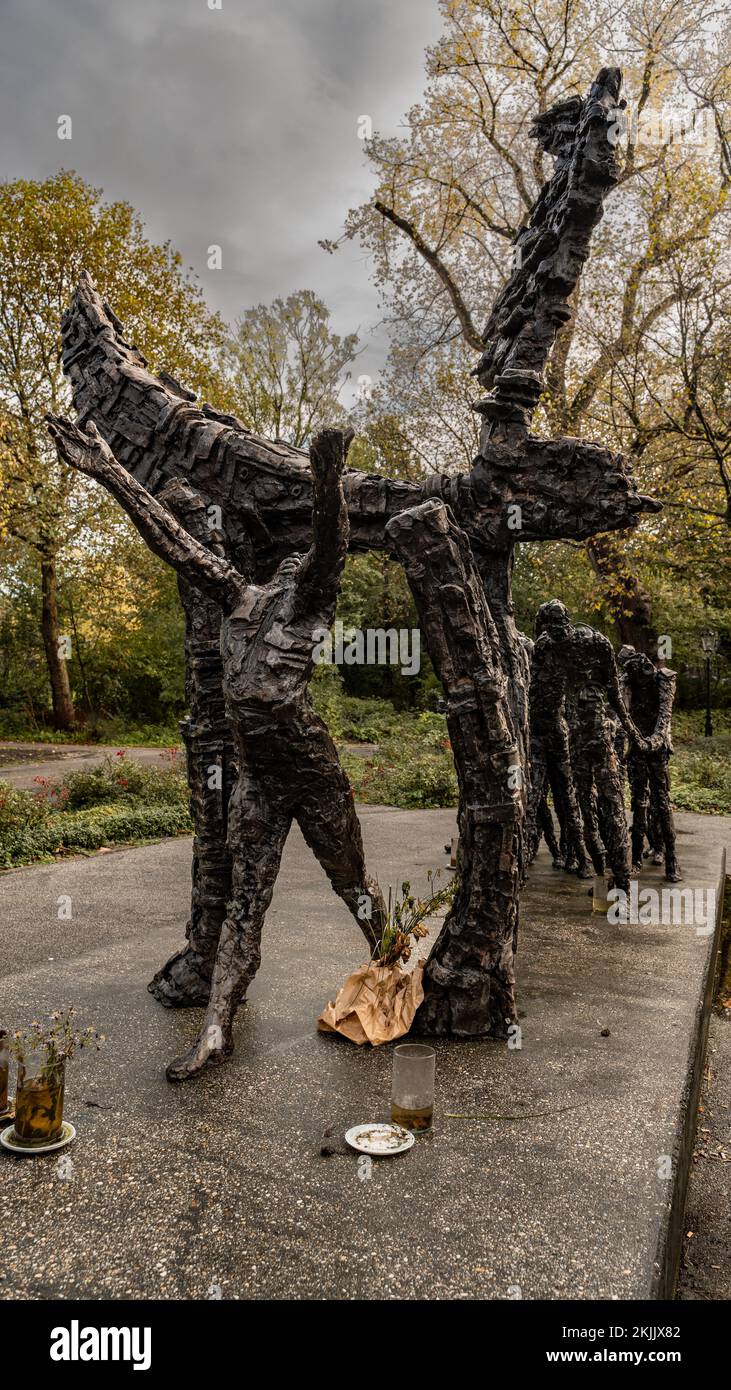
288,767
550,760
521,488
649,693
580,664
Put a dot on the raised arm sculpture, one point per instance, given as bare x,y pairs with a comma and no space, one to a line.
521,488
288,767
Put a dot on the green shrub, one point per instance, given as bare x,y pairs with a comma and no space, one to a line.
69,831
122,779
413,767
20,810
116,802
700,775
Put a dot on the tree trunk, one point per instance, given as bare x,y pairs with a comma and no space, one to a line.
469,979
628,601
63,707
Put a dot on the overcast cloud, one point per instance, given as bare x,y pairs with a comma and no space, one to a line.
235,126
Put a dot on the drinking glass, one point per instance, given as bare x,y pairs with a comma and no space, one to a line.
412,1091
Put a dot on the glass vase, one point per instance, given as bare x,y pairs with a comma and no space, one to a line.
39,1100
4,1072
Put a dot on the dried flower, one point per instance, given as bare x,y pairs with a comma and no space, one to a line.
404,923
58,1037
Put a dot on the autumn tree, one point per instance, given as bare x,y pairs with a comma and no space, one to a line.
284,368
49,232
454,190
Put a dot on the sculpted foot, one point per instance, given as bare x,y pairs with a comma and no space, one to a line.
212,1046
183,983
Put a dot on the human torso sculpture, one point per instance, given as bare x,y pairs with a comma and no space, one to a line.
649,692
587,673
550,761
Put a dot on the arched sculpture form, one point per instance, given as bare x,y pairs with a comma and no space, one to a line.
649,692
288,767
521,487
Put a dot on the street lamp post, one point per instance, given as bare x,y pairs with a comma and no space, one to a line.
709,643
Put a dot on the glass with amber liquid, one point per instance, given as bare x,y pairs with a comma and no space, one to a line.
39,1100
412,1090
4,1071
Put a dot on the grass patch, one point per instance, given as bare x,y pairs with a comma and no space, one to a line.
700,775
112,732
118,802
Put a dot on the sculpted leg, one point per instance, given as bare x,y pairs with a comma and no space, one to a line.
613,821
258,829
327,818
640,799
660,789
587,800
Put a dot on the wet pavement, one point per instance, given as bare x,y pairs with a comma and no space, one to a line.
543,1174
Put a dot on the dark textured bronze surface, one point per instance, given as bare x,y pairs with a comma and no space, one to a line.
520,488
287,764
649,693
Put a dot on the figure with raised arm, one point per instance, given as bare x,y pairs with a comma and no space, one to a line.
288,766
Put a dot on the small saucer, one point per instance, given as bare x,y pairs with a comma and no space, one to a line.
379,1139
15,1146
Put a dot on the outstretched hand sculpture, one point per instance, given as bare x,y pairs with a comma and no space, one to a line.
288,767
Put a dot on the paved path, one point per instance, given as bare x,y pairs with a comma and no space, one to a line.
22,763
549,1186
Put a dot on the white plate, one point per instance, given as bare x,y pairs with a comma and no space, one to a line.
379,1139
15,1146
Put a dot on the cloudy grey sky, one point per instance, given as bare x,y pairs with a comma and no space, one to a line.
235,126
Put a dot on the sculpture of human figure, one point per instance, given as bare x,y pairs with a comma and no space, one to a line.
550,761
185,979
587,661
288,767
649,692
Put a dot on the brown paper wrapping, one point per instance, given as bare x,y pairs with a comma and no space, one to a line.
376,1004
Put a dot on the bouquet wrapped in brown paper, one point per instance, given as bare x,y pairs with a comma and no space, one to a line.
376,1004
378,1001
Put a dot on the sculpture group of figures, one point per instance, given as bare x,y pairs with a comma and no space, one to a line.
594,721
258,534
